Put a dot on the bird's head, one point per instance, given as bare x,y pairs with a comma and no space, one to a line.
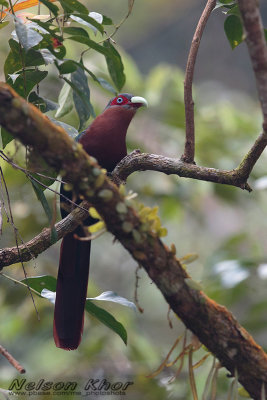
127,101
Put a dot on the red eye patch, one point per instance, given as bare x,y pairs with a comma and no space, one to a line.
119,101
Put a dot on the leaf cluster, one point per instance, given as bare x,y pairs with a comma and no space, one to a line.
233,25
42,40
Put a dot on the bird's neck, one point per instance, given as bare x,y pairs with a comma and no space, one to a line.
105,139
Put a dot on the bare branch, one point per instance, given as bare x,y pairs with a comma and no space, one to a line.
213,324
257,49
12,360
189,151
252,157
137,161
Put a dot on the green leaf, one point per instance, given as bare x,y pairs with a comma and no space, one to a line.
73,5
90,43
48,57
102,82
39,283
32,78
59,52
85,19
41,197
106,85
83,98
3,24
33,58
66,67
42,103
71,131
115,65
6,137
13,61
82,103
65,101
4,3
234,30
75,31
27,36
47,26
47,43
107,21
107,319
234,10
52,7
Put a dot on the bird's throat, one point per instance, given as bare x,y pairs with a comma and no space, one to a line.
105,139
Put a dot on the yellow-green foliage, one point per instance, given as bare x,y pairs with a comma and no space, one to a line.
150,219
99,225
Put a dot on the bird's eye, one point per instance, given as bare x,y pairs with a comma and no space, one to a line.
119,100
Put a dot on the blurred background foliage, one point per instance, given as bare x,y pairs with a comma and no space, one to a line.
225,226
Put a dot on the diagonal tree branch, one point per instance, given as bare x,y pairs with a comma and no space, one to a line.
12,360
189,151
214,325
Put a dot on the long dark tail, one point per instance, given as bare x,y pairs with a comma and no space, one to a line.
71,291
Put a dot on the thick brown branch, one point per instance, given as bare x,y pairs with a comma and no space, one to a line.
257,48
41,242
189,151
213,324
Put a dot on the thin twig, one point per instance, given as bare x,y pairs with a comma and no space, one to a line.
15,229
136,286
117,27
169,318
12,360
189,151
214,381
18,282
165,361
89,238
40,243
30,176
208,380
191,374
26,171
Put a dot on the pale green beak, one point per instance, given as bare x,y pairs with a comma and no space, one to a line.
139,100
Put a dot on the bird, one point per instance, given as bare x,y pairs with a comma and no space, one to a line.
105,140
